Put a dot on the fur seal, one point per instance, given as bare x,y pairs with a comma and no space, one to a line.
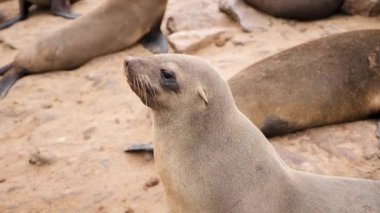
58,7
114,26
247,12
329,80
211,158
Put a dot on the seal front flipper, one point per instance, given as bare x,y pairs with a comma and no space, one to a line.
10,22
140,148
248,18
5,68
24,10
9,79
155,41
63,8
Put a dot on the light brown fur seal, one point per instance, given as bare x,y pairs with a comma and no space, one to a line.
58,7
112,27
329,80
211,158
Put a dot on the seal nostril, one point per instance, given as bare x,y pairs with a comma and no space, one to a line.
126,63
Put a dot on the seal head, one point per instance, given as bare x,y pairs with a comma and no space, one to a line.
159,80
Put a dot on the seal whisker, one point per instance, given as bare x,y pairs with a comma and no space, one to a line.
143,88
153,91
145,92
138,83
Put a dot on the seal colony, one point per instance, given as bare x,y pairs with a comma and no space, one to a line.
211,158
325,81
58,7
112,27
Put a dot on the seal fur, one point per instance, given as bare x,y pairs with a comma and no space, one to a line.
324,81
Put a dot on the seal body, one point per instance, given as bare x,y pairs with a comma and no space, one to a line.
297,9
248,12
211,158
42,3
325,81
114,26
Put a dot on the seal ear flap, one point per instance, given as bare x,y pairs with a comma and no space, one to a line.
202,94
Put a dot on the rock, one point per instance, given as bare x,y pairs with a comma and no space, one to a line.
362,7
191,41
191,15
41,158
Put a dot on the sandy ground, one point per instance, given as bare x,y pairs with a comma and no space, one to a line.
80,121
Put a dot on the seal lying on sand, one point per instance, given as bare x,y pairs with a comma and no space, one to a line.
58,7
246,12
112,27
211,158
330,80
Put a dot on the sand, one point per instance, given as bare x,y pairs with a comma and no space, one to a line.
62,134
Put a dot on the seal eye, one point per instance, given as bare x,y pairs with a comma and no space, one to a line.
167,75
168,80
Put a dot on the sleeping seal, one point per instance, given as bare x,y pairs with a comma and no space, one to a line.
248,12
326,81
114,26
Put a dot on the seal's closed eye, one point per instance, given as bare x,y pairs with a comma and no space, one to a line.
168,80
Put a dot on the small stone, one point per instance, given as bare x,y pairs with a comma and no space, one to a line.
117,121
152,182
223,39
87,134
47,106
41,158
129,210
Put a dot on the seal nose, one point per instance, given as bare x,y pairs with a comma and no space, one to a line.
127,65
128,61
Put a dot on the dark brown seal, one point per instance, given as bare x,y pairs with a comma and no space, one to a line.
330,80
247,12
211,158
114,26
58,7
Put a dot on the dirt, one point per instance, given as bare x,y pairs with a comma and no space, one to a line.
77,123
